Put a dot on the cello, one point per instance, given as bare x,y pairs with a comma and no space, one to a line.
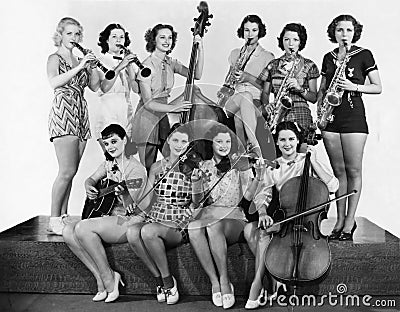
299,254
204,112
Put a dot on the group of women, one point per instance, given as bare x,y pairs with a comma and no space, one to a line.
209,205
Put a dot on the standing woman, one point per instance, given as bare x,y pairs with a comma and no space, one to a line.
345,137
221,222
245,103
155,90
115,98
301,87
165,226
69,127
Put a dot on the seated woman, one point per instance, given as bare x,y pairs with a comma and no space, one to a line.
164,227
288,140
221,222
85,237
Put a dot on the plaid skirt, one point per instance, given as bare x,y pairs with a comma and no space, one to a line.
161,212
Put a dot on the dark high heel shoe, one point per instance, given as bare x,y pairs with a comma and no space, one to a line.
348,236
335,234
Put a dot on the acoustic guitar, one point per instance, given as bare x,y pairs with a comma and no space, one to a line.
104,202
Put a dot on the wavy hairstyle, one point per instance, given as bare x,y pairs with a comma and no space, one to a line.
61,26
332,27
105,34
295,27
262,30
180,128
151,34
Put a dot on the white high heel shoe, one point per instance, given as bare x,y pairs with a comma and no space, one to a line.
100,296
217,298
275,294
228,300
112,296
259,302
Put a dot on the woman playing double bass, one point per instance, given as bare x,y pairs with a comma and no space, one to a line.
288,139
155,90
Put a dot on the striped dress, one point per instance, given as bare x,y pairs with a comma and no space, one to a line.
69,114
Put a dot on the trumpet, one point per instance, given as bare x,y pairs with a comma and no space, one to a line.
144,71
110,74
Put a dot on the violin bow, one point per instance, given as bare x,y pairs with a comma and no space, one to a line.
314,209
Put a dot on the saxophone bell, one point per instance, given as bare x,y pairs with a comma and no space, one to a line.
144,71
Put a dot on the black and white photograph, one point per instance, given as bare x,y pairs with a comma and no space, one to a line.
190,155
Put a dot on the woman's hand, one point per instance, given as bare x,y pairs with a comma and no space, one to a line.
293,84
181,107
264,221
259,167
119,190
199,40
241,76
91,191
313,154
88,60
196,175
128,59
346,84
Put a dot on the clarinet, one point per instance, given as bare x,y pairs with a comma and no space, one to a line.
144,71
110,74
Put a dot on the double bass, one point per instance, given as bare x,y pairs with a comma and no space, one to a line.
204,111
299,253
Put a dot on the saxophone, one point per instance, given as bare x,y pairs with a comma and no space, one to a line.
333,96
228,88
283,103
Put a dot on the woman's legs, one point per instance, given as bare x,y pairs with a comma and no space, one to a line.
353,150
156,238
136,242
334,148
221,234
241,104
73,243
199,242
69,150
263,240
91,232
81,149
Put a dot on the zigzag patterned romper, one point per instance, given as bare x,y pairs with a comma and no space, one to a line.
69,113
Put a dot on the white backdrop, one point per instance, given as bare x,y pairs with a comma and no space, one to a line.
28,162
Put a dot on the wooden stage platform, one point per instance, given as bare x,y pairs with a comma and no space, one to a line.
33,261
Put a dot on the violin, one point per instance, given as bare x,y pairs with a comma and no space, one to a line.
299,253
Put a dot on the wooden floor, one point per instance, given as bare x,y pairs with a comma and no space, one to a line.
31,260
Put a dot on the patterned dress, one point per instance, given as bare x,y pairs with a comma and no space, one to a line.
174,194
225,197
69,113
305,70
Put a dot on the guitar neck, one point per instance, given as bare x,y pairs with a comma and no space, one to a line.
110,189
